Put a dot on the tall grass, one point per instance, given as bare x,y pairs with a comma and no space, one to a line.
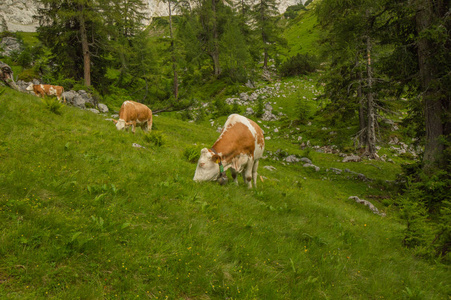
87,215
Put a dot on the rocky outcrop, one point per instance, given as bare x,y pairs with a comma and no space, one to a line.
9,45
80,99
17,15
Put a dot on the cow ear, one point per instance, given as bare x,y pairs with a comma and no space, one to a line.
115,121
216,159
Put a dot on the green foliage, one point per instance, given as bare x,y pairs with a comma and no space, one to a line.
156,138
304,110
192,153
28,75
301,64
292,11
221,108
425,206
53,104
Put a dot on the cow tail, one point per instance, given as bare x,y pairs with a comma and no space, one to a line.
149,126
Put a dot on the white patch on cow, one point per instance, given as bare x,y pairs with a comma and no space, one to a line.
120,124
52,91
30,87
207,169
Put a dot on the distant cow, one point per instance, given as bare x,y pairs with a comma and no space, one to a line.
239,147
47,89
133,113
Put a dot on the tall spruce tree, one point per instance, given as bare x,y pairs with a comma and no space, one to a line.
420,63
71,29
265,16
80,33
351,82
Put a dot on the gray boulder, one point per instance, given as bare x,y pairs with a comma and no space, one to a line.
74,99
102,108
306,160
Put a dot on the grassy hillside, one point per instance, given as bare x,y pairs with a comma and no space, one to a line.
85,215
302,34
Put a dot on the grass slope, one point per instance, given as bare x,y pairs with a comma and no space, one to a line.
85,215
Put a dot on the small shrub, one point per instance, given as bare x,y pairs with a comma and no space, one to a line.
222,109
192,154
28,75
303,110
300,64
155,137
260,108
53,105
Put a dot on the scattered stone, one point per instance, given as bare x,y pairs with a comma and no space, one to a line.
311,166
352,158
270,168
249,111
306,160
336,171
292,159
135,145
367,203
93,110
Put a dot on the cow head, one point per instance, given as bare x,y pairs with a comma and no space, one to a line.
121,124
207,167
30,87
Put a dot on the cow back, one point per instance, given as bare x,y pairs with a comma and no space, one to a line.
240,135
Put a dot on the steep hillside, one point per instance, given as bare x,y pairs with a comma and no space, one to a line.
87,213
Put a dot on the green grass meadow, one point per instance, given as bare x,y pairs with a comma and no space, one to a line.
85,215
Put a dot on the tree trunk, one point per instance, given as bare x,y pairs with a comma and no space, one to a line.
371,109
215,52
433,109
175,88
85,48
362,137
6,75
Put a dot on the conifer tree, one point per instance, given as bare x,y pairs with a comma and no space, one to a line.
351,39
71,29
265,16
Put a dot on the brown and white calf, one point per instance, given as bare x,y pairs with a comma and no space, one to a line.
47,89
239,147
133,113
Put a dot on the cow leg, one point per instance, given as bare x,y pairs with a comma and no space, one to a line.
149,124
234,175
254,172
133,127
247,173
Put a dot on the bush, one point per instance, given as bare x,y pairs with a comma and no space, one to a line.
300,64
53,105
28,75
303,110
293,11
192,154
155,137
426,208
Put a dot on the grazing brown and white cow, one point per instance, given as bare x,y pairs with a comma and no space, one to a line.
47,89
133,113
239,147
